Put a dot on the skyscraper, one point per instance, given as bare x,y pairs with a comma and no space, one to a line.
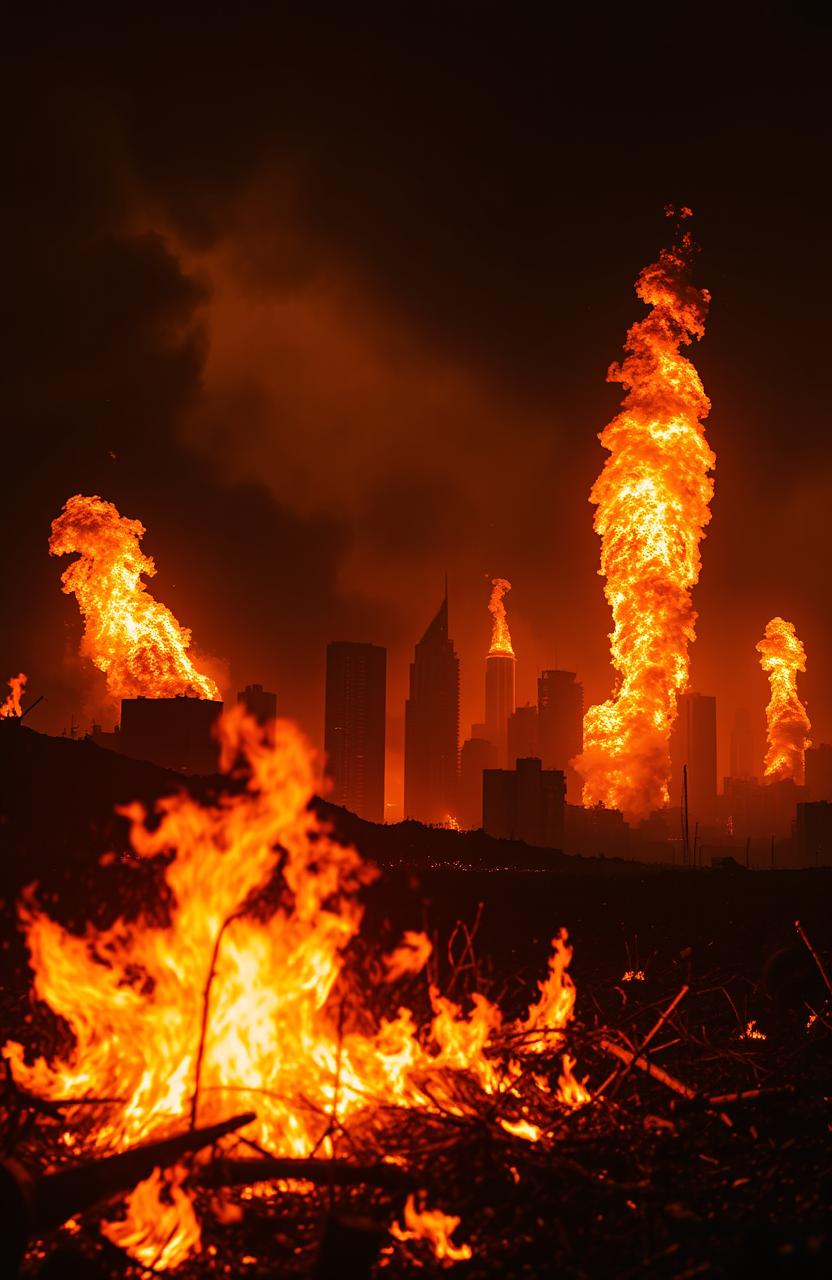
560,725
499,701
258,702
477,754
356,684
693,743
742,745
522,734
431,726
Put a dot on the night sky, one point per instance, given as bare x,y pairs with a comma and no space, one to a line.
326,296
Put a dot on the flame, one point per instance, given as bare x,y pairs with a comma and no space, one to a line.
752,1031
652,508
235,1000
410,956
572,1092
130,636
160,1228
436,1227
11,707
782,655
500,635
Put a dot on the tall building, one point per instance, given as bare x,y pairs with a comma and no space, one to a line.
819,772
259,703
560,725
499,701
431,726
522,734
525,803
693,743
477,755
742,745
354,726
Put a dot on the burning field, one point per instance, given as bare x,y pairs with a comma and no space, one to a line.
237,1078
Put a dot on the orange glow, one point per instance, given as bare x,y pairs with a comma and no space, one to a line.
130,636
434,1226
652,500
160,1228
137,996
11,707
500,634
782,655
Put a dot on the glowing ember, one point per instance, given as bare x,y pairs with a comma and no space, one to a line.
500,635
130,636
226,1005
11,707
782,655
752,1031
634,975
652,498
434,1226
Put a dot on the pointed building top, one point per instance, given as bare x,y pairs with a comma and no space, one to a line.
437,630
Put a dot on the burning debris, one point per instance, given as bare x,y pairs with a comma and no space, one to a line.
11,706
241,998
130,636
652,501
782,656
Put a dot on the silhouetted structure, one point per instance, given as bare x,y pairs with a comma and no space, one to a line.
595,831
259,703
560,725
813,833
477,755
431,726
176,733
522,734
499,701
354,728
693,743
742,745
525,803
819,772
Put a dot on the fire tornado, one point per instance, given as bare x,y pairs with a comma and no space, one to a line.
500,635
652,500
782,655
130,636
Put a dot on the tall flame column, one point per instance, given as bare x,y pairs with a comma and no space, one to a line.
652,501
500,667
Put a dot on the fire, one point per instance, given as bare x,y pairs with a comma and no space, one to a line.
436,1227
500,634
11,707
652,500
782,655
130,636
236,1000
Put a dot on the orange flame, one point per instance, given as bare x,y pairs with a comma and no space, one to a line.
434,1226
409,957
130,636
500,634
230,1002
11,707
782,655
652,508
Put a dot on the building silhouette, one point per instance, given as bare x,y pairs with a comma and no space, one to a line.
560,725
477,755
522,734
431,726
525,803
742,745
813,833
693,743
499,701
176,733
259,703
354,726
819,772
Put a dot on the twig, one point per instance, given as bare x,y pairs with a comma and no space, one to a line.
635,1060
206,1000
655,1029
814,956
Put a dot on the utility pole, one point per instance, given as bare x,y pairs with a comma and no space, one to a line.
685,826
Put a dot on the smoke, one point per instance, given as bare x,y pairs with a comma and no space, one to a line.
652,500
500,634
130,636
782,655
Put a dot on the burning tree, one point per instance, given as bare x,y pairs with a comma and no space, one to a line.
652,500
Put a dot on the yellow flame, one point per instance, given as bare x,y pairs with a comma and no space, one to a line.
434,1226
782,656
130,636
652,508
500,635
11,707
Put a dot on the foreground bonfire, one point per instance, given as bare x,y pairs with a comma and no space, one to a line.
238,999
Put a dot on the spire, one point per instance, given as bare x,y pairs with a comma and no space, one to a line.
437,631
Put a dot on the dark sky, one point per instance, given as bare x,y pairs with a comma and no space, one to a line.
326,295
